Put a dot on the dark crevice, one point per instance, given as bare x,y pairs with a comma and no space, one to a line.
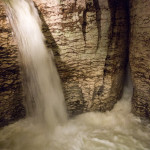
113,7
98,20
49,39
100,91
114,37
128,28
84,24
127,64
75,3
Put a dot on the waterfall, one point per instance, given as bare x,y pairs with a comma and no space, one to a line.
44,96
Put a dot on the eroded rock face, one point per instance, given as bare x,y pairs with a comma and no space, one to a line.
90,41
140,56
11,107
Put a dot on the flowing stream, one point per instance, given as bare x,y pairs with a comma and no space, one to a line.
46,126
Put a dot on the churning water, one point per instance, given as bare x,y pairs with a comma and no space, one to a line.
42,129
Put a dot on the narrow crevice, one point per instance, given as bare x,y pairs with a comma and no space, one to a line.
84,24
113,7
75,3
127,64
98,20
128,29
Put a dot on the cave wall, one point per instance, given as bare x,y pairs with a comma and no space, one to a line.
89,40
140,56
11,94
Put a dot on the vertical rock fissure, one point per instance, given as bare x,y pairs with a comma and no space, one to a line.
114,57
84,25
112,7
75,3
98,20
128,32
114,29
127,64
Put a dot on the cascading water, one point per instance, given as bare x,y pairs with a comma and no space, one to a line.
45,100
114,130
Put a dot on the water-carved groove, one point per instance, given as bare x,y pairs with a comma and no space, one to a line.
84,25
98,20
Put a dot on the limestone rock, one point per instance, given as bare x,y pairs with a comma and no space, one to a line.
10,82
140,56
89,40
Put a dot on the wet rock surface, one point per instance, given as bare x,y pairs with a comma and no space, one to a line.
140,56
89,40
11,96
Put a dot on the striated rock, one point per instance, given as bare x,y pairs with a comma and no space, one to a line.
140,56
90,41
10,81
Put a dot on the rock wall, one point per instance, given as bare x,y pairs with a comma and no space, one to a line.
11,107
90,41
140,56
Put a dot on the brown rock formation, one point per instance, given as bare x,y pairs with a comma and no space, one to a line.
90,40
10,85
140,56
